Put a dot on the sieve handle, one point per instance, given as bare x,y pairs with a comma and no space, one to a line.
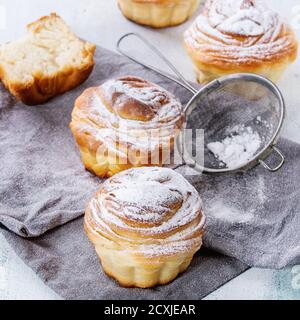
180,78
280,165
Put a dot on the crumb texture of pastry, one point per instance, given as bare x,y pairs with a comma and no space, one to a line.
126,122
158,13
49,60
146,224
232,36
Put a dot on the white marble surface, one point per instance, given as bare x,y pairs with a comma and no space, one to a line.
101,22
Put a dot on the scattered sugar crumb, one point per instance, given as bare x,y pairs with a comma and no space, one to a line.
230,214
239,147
260,121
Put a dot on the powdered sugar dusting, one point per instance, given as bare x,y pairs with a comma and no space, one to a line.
167,107
240,31
140,199
100,118
150,203
237,148
240,17
229,214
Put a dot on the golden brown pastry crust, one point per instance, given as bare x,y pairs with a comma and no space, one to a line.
123,123
158,13
240,36
40,87
146,225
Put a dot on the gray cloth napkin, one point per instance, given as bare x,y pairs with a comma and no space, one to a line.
253,217
66,261
42,181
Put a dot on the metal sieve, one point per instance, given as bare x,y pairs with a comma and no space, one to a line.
237,100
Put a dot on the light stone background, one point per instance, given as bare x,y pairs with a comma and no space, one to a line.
101,22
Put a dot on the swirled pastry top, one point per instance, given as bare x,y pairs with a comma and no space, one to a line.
131,101
153,210
125,110
244,32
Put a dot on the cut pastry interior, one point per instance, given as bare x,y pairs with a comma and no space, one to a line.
126,122
158,13
146,225
236,36
49,60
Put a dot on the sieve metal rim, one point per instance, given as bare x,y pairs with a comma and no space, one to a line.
265,152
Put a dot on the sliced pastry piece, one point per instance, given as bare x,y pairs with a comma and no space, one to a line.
237,36
49,60
126,122
146,225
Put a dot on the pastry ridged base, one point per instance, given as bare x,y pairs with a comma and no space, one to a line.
158,15
207,73
132,270
136,274
104,167
274,75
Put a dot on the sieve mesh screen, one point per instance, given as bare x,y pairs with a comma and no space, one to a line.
237,102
